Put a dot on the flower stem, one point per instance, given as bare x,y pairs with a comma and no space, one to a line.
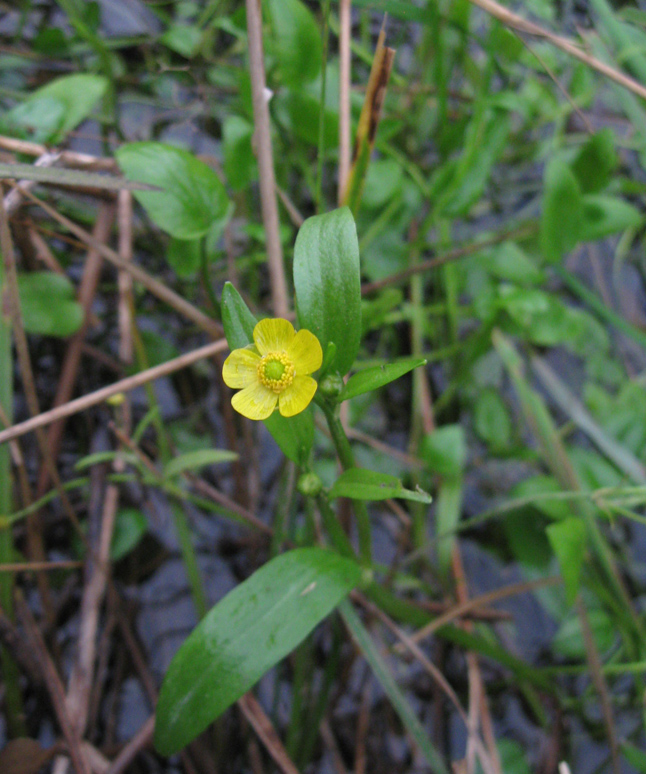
346,456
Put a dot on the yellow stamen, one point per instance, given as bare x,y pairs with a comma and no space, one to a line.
276,371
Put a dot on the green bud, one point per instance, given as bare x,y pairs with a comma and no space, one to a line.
331,385
309,484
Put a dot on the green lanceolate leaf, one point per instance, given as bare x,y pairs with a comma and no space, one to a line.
562,211
328,284
373,378
197,459
360,484
246,634
191,196
237,319
294,435
568,539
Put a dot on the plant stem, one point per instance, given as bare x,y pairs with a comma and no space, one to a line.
321,148
346,456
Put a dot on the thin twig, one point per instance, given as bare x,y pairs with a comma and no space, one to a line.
265,160
125,385
151,284
69,370
345,81
54,686
266,732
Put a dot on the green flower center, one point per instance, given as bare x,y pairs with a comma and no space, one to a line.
276,371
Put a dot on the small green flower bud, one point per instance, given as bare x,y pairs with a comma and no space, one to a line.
309,484
331,385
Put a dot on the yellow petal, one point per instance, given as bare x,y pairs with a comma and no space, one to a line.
273,335
255,401
240,369
297,396
305,353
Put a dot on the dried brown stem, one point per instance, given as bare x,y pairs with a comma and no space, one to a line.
69,370
54,686
266,732
265,160
151,284
345,81
125,385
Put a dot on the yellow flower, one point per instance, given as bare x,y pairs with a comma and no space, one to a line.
275,370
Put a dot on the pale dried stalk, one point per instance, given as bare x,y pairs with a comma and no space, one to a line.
345,80
54,686
69,370
266,732
264,153
125,385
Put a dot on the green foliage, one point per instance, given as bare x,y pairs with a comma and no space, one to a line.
372,378
360,484
51,112
562,211
245,634
191,196
327,283
129,528
297,41
48,305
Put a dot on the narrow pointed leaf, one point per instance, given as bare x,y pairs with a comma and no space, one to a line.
360,484
373,378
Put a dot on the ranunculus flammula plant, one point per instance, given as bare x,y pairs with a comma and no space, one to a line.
274,370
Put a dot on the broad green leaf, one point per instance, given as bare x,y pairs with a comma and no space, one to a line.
48,305
374,378
197,459
247,633
562,211
328,285
294,435
129,528
568,539
606,215
192,196
184,39
596,161
444,450
361,484
543,317
59,106
298,45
